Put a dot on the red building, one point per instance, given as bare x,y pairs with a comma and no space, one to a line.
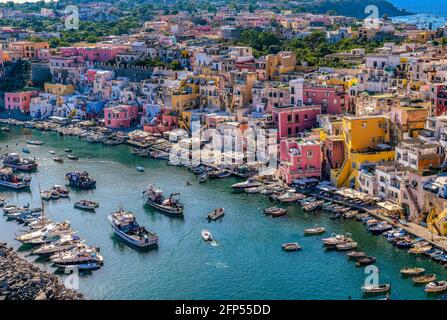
291,120
122,116
331,99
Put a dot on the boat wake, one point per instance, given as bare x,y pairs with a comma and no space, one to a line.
214,243
218,265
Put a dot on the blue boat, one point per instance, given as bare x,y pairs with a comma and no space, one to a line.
25,150
80,180
88,266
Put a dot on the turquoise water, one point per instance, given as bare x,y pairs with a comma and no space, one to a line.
247,263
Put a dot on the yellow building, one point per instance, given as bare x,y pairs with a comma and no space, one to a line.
364,139
59,89
277,64
28,49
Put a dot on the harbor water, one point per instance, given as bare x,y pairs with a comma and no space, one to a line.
245,263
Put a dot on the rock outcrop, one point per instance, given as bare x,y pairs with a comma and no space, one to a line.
21,280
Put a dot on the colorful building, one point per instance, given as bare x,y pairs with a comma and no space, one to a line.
291,120
19,101
122,116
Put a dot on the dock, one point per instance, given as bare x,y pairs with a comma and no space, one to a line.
418,231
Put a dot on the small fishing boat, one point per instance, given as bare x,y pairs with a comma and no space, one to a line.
66,242
25,150
346,246
63,193
58,159
52,152
202,178
371,222
380,228
224,174
86,204
81,267
72,157
312,206
126,227
67,150
206,235
155,198
140,169
289,196
79,255
315,230
405,242
354,255
80,180
292,246
54,195
375,289
420,249
13,160
350,214
365,261
411,272
275,211
253,190
250,183
216,214
335,239
436,287
34,142
45,195
424,279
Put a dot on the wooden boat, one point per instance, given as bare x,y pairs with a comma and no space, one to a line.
52,152
58,159
292,246
354,255
371,222
216,214
424,279
86,204
420,249
346,246
365,261
45,195
289,197
315,230
63,193
72,157
206,235
411,272
436,287
275,211
336,239
54,195
374,289
350,214
312,206
380,228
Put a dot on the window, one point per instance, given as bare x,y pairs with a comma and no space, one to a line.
364,124
309,154
289,131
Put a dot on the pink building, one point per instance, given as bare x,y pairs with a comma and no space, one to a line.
19,100
291,120
122,116
299,159
331,99
93,54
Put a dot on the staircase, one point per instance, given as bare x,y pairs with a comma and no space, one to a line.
415,212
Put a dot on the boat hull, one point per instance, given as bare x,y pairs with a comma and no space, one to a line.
176,212
16,186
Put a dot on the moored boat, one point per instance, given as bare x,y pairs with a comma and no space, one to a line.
275,211
58,159
66,242
216,214
365,261
411,272
423,279
79,255
126,227
436,287
346,246
10,180
291,246
63,193
315,230
86,204
72,157
80,180
375,289
13,160
354,255
34,142
335,239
